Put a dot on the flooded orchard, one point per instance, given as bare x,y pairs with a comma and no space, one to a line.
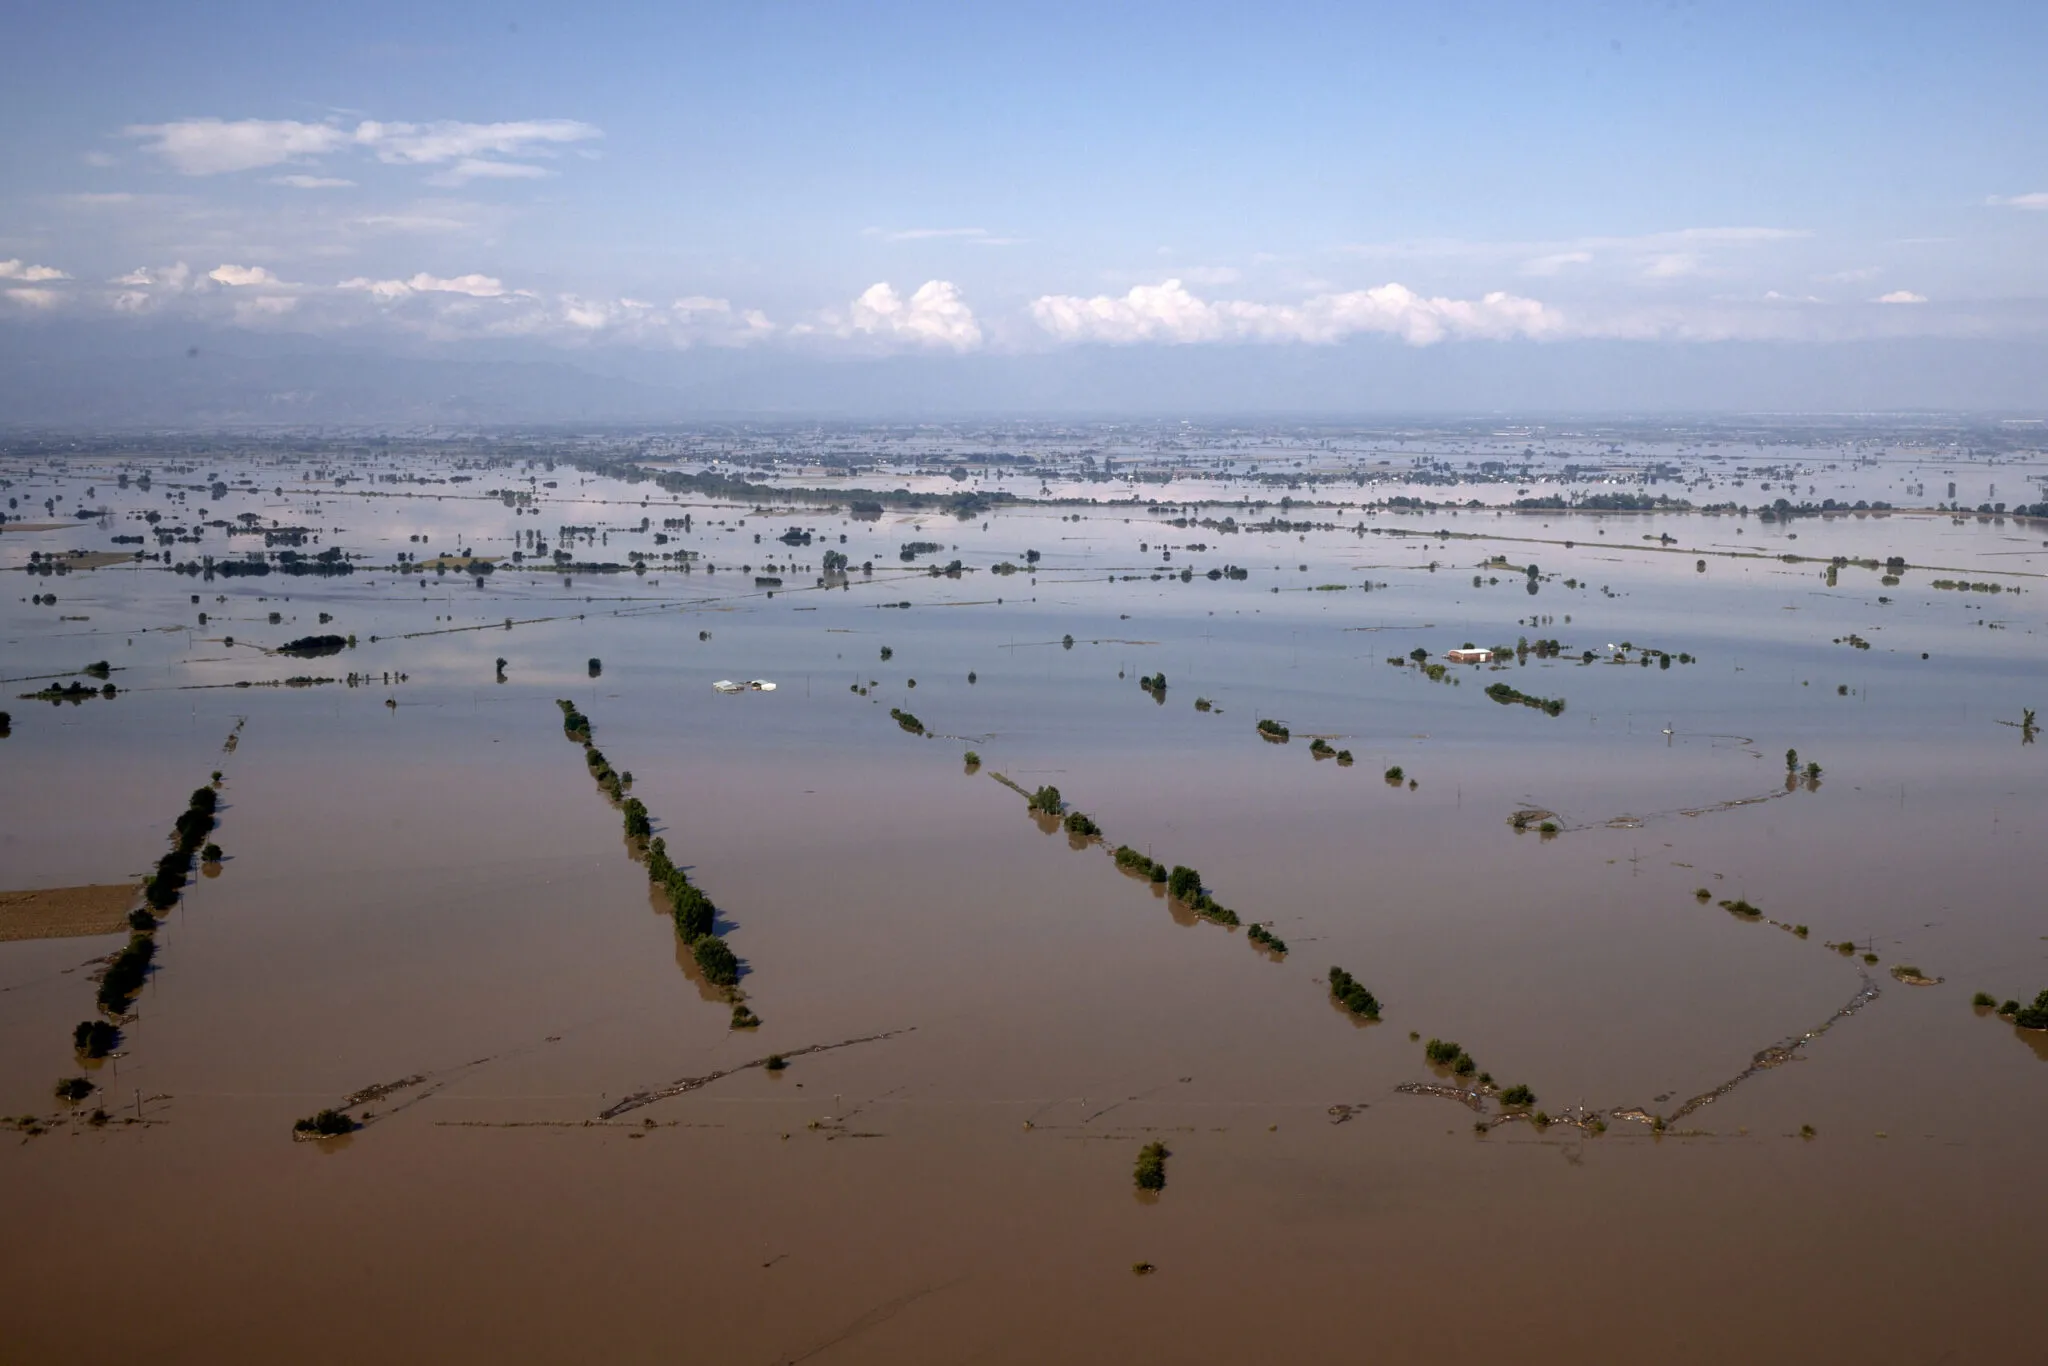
488,981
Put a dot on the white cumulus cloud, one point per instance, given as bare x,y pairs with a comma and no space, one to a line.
313,182
1168,312
935,315
27,274
2037,200
172,277
1900,296
32,297
388,291
241,276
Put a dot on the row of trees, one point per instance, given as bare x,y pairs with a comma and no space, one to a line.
1504,693
694,914
127,970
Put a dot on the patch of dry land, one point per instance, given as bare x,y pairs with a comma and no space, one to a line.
98,559
65,912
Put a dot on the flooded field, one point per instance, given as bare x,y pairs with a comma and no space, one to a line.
1692,886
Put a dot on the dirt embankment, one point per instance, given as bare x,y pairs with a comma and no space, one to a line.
65,912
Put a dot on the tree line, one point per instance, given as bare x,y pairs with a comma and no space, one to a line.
693,912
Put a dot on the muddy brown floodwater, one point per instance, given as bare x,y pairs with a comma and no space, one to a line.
425,915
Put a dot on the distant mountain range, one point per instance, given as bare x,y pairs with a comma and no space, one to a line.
102,375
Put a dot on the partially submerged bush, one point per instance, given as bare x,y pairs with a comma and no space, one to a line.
1078,823
2034,1016
1349,992
1266,939
326,1124
1518,1095
1273,730
1150,1173
1444,1053
716,960
74,1088
1131,861
95,1038
126,974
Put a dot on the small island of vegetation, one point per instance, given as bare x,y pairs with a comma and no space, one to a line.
1150,1173
1504,693
1349,992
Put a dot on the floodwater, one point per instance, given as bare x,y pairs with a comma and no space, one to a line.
421,880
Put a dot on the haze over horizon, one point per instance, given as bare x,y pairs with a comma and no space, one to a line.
524,213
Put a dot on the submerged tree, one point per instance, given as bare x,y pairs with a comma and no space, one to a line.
1349,992
1150,1173
716,960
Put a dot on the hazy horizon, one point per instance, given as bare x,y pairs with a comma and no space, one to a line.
1323,209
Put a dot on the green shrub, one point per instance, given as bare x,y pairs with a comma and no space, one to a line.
716,960
125,975
1349,992
74,1088
1078,823
1518,1095
1150,1173
2034,1016
1441,1052
1273,730
97,1038
691,909
1131,860
1394,774
326,1124
1183,883
1046,801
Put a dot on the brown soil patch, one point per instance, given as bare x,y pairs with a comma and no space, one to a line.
98,559
36,526
65,912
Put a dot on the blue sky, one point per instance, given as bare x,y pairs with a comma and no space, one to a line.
926,179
